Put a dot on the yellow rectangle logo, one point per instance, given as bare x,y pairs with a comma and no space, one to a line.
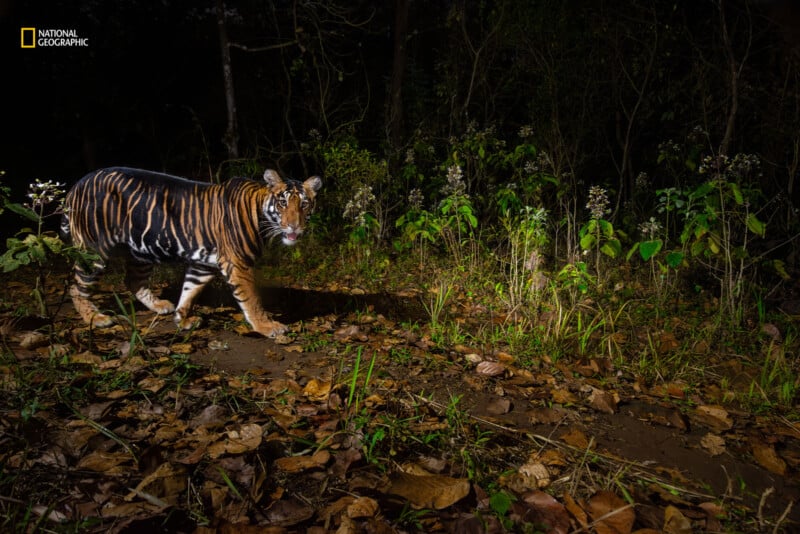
27,38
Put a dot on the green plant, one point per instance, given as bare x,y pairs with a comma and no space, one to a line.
456,220
38,246
721,219
418,228
522,266
575,278
599,234
435,306
500,503
649,249
129,321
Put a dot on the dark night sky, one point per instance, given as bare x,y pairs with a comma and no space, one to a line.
150,73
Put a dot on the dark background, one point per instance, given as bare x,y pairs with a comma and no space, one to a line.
603,84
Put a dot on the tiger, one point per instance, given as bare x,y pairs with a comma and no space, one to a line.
212,228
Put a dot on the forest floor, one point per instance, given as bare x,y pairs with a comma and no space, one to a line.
361,420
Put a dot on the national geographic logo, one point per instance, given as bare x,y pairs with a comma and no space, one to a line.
51,38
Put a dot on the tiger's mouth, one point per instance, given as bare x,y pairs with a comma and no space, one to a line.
290,237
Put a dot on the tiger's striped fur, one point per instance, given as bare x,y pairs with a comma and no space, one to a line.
211,227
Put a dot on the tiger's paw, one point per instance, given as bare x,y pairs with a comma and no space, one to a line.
270,328
101,320
153,303
187,323
162,307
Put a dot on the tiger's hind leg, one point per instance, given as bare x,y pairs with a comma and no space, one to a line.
196,278
136,276
81,292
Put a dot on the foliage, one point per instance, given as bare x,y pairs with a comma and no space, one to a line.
599,233
38,247
523,265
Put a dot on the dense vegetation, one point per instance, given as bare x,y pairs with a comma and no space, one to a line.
609,185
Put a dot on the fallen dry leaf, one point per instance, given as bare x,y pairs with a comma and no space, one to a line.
530,476
603,401
715,417
675,522
487,368
765,455
294,464
547,511
106,462
428,491
245,438
563,396
86,357
548,415
610,513
576,511
182,348
166,483
317,390
714,444
498,406
362,507
576,438
151,384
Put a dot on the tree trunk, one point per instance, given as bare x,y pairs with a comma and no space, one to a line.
232,132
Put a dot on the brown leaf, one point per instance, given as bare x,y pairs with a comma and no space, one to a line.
563,396
166,483
32,340
603,401
97,410
610,513
245,438
182,348
714,444
317,390
577,512
487,368
675,522
715,417
86,357
714,512
531,476
109,463
765,455
212,416
151,384
498,406
576,438
548,511
552,415
428,491
294,464
342,460
349,333
288,512
362,507
667,342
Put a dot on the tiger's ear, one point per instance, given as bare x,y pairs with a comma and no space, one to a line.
313,184
272,178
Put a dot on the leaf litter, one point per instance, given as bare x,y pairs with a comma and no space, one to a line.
354,422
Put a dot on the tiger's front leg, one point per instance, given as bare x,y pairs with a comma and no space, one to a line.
243,284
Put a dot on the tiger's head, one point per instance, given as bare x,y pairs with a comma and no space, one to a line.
288,206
